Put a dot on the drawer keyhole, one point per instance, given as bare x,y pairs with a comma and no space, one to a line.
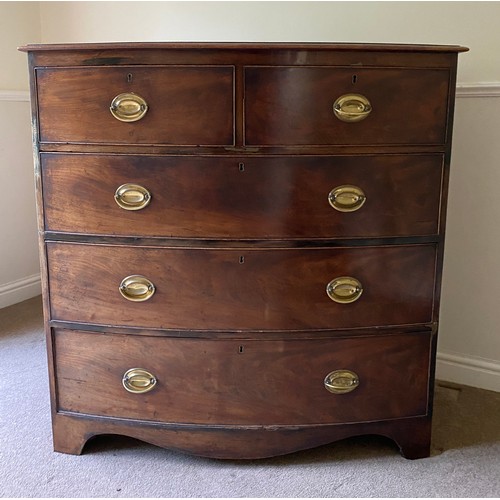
354,78
241,167
241,349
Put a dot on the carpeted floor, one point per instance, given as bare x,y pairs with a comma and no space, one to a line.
465,461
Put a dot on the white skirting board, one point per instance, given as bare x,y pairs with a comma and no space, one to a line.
468,370
482,89
19,290
14,95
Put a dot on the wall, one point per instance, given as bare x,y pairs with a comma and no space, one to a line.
19,269
469,347
474,24
469,344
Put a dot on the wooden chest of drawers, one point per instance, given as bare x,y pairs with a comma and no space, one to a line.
242,244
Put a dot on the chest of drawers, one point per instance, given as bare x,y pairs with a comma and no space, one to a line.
242,244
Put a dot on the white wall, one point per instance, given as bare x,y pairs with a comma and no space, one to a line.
19,24
469,343
19,268
474,24
469,348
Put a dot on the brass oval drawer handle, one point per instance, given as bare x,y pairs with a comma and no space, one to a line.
346,198
344,289
136,288
352,108
132,197
138,380
128,107
341,381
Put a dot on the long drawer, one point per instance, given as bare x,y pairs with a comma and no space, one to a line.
241,289
295,106
264,197
231,382
173,105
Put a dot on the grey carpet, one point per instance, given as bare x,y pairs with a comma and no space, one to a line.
465,461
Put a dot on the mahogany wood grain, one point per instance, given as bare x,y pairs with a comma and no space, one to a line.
290,105
72,431
228,382
249,198
331,54
240,326
187,105
213,289
180,47
241,150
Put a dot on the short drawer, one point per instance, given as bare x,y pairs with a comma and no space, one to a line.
183,105
221,197
294,106
241,289
232,382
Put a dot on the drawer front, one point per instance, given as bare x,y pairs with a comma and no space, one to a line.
294,106
185,105
241,289
260,198
241,382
